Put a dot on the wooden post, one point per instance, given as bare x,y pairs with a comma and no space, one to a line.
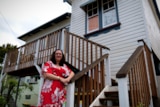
39,70
107,70
18,59
70,94
123,92
62,41
37,51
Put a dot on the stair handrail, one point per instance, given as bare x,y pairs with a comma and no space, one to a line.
125,68
85,70
104,47
135,75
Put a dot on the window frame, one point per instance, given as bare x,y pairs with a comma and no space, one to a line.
89,31
107,10
101,26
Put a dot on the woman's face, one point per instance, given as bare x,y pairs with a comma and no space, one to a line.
58,55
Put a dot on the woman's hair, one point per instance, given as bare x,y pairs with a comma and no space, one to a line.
54,60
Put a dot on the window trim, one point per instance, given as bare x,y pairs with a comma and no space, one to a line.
100,11
91,17
104,11
102,30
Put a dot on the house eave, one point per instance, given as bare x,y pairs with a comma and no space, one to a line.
46,25
68,1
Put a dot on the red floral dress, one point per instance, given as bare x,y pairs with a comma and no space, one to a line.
53,93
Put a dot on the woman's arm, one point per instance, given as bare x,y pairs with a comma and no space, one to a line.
67,80
70,76
51,76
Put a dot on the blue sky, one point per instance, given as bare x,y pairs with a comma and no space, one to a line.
18,17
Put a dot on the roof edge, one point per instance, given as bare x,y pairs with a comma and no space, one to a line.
45,25
68,1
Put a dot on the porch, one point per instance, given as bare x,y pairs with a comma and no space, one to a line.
136,81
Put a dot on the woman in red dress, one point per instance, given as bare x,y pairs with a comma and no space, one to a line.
56,75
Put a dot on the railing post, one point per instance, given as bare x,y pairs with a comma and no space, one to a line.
107,69
70,95
123,92
37,51
39,70
18,59
62,41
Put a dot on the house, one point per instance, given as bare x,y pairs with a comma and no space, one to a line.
115,45
31,97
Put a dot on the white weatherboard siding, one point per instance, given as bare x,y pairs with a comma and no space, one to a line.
153,33
48,30
152,27
123,41
77,18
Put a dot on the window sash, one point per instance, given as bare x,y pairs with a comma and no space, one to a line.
109,15
109,18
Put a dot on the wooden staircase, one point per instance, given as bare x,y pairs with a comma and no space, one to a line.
111,97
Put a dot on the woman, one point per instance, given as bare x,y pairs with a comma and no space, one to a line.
56,75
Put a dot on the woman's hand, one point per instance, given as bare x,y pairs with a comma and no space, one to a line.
64,80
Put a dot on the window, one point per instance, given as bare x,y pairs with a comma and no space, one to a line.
28,96
101,14
109,13
93,21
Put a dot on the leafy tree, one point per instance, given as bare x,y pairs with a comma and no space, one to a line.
9,87
3,50
8,84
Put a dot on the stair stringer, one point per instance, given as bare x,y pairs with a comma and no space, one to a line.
107,88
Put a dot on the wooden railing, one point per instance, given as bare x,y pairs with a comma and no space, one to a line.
89,82
140,76
47,45
88,56
11,60
25,56
81,52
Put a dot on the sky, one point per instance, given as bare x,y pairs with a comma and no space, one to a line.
18,17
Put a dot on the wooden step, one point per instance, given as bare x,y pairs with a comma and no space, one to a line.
114,100
114,82
111,94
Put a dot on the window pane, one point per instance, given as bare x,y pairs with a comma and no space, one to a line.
89,6
93,23
105,6
90,13
94,4
109,17
111,4
95,11
104,1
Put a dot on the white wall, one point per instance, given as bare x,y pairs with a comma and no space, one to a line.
34,95
152,27
153,32
122,42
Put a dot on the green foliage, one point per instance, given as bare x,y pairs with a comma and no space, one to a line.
10,84
140,104
3,50
2,101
